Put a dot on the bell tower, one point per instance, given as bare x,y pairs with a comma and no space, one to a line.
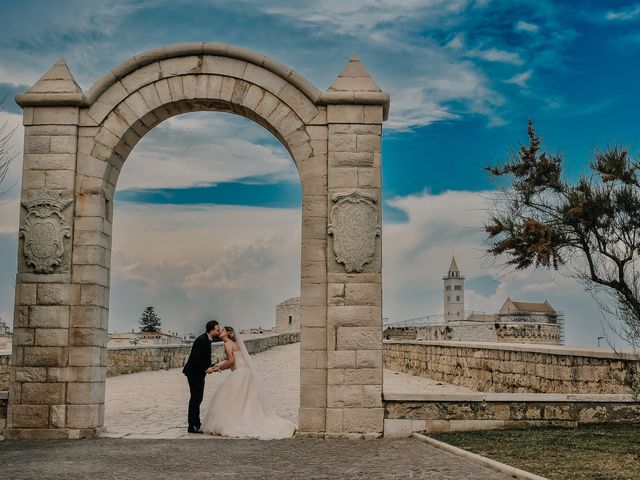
453,293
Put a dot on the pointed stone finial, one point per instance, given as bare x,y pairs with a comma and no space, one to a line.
453,267
57,80
354,78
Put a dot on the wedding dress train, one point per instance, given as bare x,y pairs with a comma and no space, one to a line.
241,408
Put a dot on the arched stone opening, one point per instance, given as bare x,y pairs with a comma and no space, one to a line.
75,146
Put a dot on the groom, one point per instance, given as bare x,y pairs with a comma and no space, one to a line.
196,369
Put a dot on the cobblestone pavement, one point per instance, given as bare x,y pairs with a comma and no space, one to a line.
154,404
124,459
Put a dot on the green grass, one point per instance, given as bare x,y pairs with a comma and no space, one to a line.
598,452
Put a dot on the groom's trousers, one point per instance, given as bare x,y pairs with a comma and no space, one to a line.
196,387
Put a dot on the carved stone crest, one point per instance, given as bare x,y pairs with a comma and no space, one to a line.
354,223
44,231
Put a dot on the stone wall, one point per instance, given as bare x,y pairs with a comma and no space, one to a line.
124,360
5,359
465,331
504,367
131,359
404,415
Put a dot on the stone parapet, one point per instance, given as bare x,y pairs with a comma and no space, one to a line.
514,368
5,370
406,414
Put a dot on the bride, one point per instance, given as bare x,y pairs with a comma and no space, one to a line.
240,407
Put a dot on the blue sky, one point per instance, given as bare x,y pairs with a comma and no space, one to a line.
464,77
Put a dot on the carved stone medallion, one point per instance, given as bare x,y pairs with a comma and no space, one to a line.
354,224
44,231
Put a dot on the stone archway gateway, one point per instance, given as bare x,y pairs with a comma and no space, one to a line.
75,145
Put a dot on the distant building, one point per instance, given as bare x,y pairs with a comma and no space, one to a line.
515,322
288,315
5,336
126,339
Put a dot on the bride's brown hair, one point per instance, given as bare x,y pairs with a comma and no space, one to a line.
231,332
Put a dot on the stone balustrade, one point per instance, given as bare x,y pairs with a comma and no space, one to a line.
513,368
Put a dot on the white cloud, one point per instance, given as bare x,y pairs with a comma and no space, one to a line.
521,79
623,14
496,55
527,27
203,149
233,262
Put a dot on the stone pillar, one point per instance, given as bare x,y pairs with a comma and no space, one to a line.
354,283
43,359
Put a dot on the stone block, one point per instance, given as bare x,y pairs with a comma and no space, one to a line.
62,374
87,337
313,294
59,179
369,358
56,116
350,159
85,393
85,356
335,376
363,294
345,114
307,359
398,428
363,376
51,337
363,420
58,294
344,396
92,374
355,316
86,317
313,376
372,395
345,142
341,359
313,396
334,420
89,255
29,416
49,316
23,336
373,114
141,76
33,179
313,338
83,416
359,338
312,419
91,274
43,393
30,374
26,293
63,144
37,144
369,178
44,356
57,416
342,177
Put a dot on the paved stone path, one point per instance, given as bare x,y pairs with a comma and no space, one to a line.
154,404
125,459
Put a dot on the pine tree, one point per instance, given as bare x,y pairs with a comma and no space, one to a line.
150,321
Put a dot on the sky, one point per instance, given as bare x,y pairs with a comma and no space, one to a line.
207,211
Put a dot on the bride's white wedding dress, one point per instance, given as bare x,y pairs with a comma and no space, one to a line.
241,408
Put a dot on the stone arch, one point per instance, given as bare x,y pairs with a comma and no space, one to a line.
75,146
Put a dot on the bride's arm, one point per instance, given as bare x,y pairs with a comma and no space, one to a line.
228,363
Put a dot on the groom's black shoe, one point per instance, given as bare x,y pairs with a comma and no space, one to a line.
194,430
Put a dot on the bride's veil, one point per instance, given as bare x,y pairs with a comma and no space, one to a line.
266,401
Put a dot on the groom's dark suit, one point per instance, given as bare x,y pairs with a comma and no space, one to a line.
196,370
